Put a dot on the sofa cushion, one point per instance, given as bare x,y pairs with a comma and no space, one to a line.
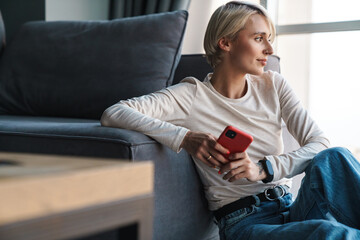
79,68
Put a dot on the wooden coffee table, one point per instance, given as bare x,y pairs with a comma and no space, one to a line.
55,197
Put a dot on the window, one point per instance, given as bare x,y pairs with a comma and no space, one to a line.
314,11
318,42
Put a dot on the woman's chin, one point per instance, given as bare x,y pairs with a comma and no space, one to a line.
257,71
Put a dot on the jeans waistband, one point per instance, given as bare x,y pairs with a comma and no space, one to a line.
269,194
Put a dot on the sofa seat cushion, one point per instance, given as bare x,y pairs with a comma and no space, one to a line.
68,136
79,68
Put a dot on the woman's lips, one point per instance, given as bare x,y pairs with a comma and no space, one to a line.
262,61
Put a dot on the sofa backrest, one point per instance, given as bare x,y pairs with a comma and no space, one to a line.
79,68
195,65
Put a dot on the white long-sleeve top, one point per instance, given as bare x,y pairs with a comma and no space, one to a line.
167,115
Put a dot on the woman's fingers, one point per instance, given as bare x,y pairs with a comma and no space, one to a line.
213,161
234,161
241,167
206,157
239,156
217,146
204,147
221,151
218,151
235,174
218,156
210,155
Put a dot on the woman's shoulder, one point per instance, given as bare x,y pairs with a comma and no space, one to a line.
188,83
186,87
190,80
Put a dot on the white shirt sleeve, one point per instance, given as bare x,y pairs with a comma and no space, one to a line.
301,127
159,115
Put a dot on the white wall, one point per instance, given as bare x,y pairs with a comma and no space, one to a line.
199,15
76,10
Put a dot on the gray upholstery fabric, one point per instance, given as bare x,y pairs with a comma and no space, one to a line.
77,69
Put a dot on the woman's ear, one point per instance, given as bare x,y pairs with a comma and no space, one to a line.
224,44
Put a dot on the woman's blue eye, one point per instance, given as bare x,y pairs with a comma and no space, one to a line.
259,38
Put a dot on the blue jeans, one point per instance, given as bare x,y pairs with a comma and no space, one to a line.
327,206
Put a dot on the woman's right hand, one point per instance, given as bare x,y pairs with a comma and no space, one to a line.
204,146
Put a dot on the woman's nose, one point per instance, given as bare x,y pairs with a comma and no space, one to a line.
268,49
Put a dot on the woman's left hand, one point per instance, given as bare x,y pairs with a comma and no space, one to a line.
241,166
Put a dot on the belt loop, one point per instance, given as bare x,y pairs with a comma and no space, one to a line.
257,200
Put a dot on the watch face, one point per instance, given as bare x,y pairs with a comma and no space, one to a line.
269,168
269,171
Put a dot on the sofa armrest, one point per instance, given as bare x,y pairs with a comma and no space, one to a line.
181,210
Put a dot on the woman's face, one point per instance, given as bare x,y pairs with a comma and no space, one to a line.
249,51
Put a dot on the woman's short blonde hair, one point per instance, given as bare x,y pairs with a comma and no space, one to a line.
227,21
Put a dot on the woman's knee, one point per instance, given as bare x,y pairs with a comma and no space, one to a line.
331,153
332,157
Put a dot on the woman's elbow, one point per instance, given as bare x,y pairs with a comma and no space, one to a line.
104,120
112,115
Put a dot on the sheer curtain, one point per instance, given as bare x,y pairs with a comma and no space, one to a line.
130,8
2,34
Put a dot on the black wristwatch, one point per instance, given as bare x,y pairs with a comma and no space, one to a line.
268,170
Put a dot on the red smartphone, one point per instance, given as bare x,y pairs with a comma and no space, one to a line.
235,140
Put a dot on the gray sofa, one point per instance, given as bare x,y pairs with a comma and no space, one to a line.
56,79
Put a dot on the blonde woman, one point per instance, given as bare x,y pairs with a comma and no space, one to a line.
248,191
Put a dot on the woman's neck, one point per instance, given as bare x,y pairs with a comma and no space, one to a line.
228,83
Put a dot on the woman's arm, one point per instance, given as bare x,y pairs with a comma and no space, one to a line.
158,115
161,116
301,127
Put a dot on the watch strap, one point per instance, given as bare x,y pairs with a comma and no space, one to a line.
268,170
